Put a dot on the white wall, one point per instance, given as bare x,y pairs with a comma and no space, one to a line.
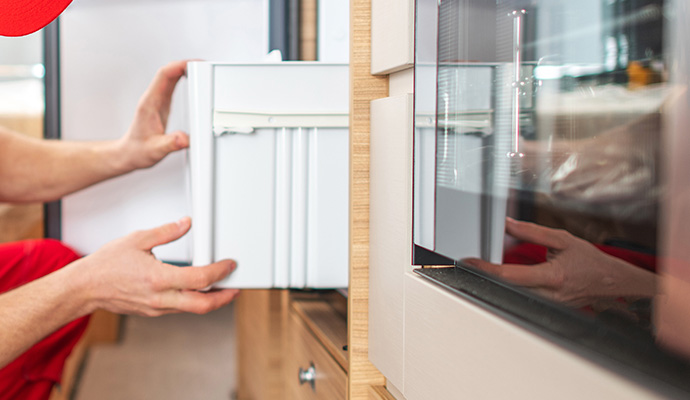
110,50
334,31
22,50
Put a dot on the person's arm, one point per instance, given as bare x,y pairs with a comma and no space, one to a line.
122,277
575,273
34,170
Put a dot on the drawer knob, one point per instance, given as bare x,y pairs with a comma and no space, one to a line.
308,376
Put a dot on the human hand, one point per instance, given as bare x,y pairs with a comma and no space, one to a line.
146,143
575,273
124,277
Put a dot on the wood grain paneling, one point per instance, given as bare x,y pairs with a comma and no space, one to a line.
308,30
379,393
363,89
261,343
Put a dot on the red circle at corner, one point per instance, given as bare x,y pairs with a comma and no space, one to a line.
22,17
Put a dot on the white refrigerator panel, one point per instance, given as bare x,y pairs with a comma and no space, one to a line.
328,233
244,209
110,51
288,87
270,167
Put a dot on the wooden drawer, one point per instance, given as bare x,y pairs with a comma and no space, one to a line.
330,382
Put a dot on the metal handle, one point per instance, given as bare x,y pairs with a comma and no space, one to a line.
518,82
308,376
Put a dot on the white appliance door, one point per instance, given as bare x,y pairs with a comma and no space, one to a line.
109,52
269,163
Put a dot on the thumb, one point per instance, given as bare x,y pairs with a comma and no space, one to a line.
537,234
165,144
148,239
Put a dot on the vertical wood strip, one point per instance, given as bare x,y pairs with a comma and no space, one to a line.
308,30
363,89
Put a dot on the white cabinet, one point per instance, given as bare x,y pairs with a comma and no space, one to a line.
457,350
390,224
392,36
269,171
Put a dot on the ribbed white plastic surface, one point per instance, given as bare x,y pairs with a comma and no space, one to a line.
269,166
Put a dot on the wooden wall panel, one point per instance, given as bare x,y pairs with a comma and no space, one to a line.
363,89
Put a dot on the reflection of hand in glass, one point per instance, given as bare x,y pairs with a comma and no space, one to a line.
575,272
615,168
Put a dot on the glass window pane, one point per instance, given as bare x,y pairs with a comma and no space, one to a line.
550,112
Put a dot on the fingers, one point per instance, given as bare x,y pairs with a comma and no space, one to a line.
176,301
533,276
196,278
533,233
148,239
183,295
181,140
204,302
165,144
163,84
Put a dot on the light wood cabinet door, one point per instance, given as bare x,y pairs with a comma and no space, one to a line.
305,352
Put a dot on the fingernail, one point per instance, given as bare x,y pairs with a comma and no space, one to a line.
182,222
233,265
